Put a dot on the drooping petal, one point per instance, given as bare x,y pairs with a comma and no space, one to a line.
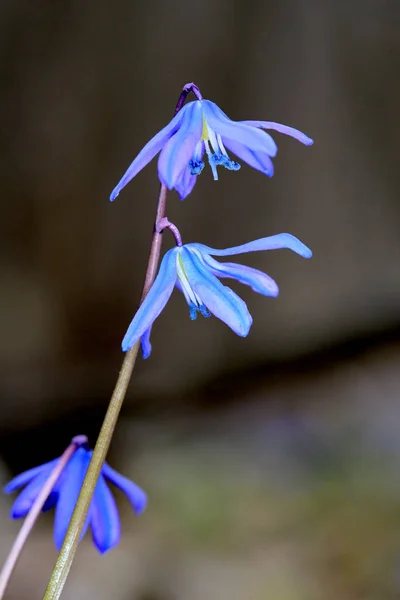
133,492
150,150
74,475
237,131
51,501
295,133
27,497
273,242
25,477
220,300
258,281
145,343
55,493
105,523
185,184
154,302
178,151
258,160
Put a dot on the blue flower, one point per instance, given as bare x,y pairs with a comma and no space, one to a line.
103,517
201,127
195,273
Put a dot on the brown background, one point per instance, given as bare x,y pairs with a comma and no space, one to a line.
83,86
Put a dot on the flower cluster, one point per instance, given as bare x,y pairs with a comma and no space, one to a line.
198,128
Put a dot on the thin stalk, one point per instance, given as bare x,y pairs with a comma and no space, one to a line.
34,512
72,537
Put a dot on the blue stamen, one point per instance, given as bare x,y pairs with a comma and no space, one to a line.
229,164
204,311
215,160
196,166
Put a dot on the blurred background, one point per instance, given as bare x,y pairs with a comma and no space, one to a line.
271,462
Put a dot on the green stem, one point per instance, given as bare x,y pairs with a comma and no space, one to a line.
70,544
72,537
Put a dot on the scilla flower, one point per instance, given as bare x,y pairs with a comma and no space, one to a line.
201,127
194,271
103,517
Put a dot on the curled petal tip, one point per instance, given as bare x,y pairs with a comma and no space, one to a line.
146,344
140,503
114,194
293,243
243,334
304,251
126,346
183,195
245,328
300,136
275,292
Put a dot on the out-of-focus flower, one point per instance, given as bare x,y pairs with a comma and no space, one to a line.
201,126
103,517
195,273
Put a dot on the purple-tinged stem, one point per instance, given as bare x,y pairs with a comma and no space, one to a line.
187,88
166,224
72,537
34,512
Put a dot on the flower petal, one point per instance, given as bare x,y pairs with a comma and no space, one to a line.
133,492
179,149
146,344
27,497
27,476
258,281
273,242
154,302
220,300
257,160
237,131
51,501
105,523
73,477
295,133
185,184
150,150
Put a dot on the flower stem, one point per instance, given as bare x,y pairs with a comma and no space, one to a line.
187,88
72,537
70,544
166,224
34,512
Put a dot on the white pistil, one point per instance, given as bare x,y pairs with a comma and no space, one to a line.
190,295
210,160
